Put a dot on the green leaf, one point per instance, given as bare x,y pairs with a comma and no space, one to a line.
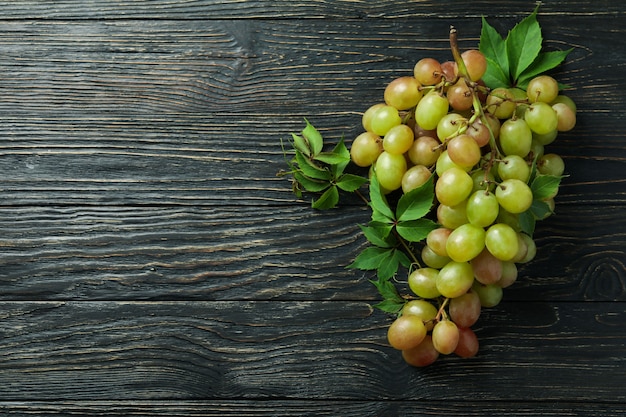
378,201
331,158
300,144
309,168
342,150
493,48
416,203
389,266
350,182
544,62
523,44
390,306
545,186
370,258
328,200
378,234
527,222
313,138
540,209
415,230
309,184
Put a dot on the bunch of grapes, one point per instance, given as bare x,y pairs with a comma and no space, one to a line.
482,148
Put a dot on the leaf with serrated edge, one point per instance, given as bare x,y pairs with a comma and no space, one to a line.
350,182
313,137
540,209
300,144
370,258
309,184
523,44
415,230
378,200
378,234
389,306
308,168
527,222
328,200
416,203
331,158
494,77
493,48
342,150
545,61
545,186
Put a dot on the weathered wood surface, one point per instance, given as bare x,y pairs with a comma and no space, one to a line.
151,262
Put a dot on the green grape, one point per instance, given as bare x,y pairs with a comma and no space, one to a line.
452,217
514,196
487,268
531,248
566,117
521,101
366,120
428,71
406,332
475,63
490,295
494,124
365,149
541,118
422,282
383,119
468,345
422,309
453,186
422,355
513,167
464,151
430,110
536,149
501,103
425,150
455,279
509,218
565,100
390,169
546,139
551,164
415,177
509,274
479,132
403,93
445,337
460,96
482,182
444,163
398,139
465,242
482,208
432,260
515,137
449,125
501,241
465,309
436,240
522,249
542,88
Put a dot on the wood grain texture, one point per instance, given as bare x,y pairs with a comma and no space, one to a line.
152,263
234,350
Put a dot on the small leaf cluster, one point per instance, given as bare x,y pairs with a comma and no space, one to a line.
515,60
317,171
543,187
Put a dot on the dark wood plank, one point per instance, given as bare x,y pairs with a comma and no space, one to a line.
300,350
264,253
283,9
299,408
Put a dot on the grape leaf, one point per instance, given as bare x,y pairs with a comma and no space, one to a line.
392,301
300,144
390,306
331,158
313,138
545,186
545,61
415,230
493,48
350,182
311,185
310,170
527,222
329,199
342,150
378,234
416,203
370,258
523,44
378,201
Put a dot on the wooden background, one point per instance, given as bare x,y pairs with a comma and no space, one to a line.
151,262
